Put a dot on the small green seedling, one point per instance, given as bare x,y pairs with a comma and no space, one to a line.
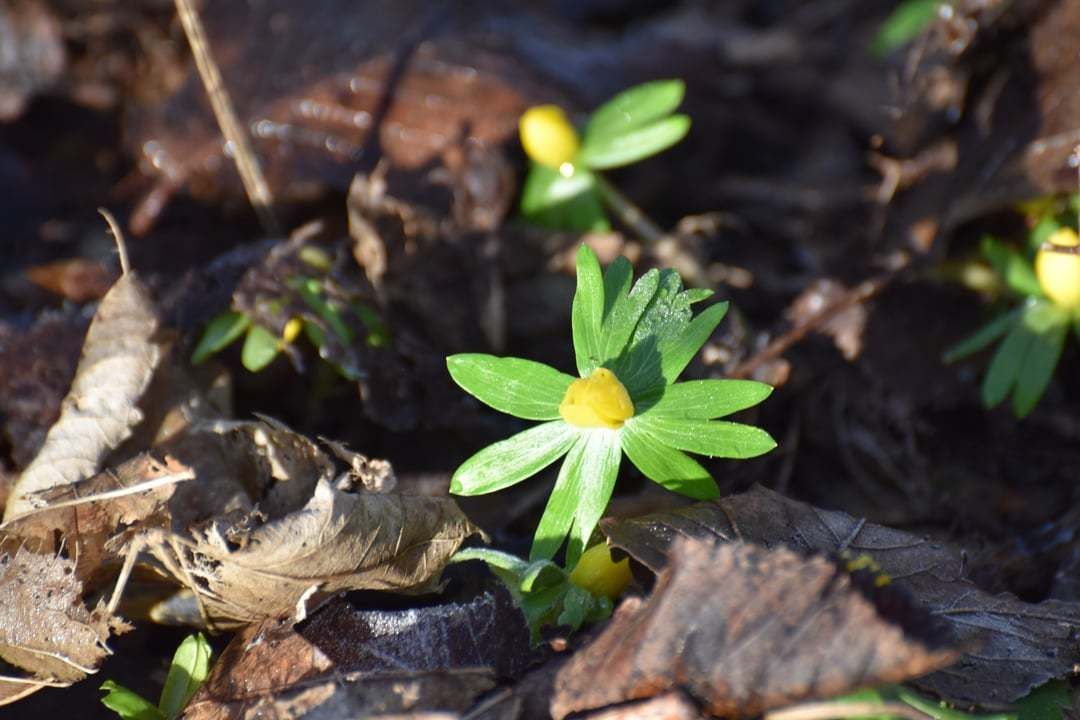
630,346
564,189
188,671
906,22
262,345
1034,329
549,595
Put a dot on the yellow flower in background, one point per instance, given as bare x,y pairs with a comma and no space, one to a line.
1059,273
549,138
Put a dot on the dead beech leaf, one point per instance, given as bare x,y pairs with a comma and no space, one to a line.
118,360
1020,645
349,662
246,569
45,630
744,629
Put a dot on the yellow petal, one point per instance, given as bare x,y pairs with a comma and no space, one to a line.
1059,273
292,329
599,574
599,400
548,137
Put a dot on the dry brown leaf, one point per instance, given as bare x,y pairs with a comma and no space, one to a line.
356,663
744,629
1021,645
45,630
118,361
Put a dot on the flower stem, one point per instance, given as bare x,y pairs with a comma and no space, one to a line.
629,213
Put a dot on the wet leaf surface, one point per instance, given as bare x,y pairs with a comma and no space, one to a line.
744,630
1019,645
353,662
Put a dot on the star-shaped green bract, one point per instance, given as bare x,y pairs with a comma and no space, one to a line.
646,336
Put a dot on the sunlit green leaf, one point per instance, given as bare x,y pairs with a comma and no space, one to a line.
983,337
560,203
671,468
587,311
599,468
1049,325
512,460
676,355
1014,268
905,23
220,332
188,671
710,399
627,311
634,107
617,280
127,704
634,144
715,438
523,388
562,503
260,348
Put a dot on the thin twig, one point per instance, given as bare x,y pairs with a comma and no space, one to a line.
258,191
842,710
118,236
633,216
855,296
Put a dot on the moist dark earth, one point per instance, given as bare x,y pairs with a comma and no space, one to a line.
813,167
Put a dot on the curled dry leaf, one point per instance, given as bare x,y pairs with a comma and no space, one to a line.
118,361
1021,645
303,538
45,630
744,629
356,663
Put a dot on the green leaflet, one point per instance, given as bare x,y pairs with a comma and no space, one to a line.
260,348
617,280
551,200
666,466
562,503
512,460
518,387
188,671
634,108
712,438
626,311
982,337
709,399
1014,268
128,704
677,355
219,333
599,469
586,313
905,23
1025,360
634,144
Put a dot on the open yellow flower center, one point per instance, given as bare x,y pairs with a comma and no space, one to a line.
1059,273
549,138
599,400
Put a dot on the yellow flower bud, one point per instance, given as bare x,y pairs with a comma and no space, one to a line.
599,400
292,329
599,574
1059,273
549,138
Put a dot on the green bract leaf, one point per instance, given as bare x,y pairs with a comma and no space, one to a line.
984,336
127,704
939,710
636,144
551,200
220,332
576,605
260,348
634,107
523,388
671,468
562,503
1045,702
312,293
714,439
188,671
676,355
586,314
1048,324
709,399
599,468
905,23
617,280
619,324
1013,267
514,459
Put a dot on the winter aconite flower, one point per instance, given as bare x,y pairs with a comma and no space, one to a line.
630,345
1058,272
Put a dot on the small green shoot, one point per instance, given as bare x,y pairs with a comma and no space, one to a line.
630,346
188,671
1043,703
908,20
1045,280
564,189
262,345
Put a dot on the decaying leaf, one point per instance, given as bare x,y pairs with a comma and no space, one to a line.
305,537
118,361
358,663
1020,645
45,630
744,629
